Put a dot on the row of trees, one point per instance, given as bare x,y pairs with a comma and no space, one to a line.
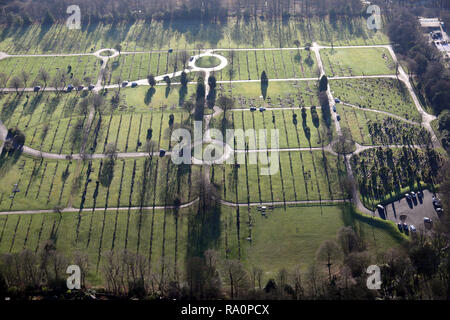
112,11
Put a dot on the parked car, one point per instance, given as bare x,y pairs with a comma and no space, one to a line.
91,86
407,196
399,226
262,109
338,117
170,50
413,194
405,227
134,85
337,100
380,208
191,58
162,153
412,228
427,220
80,87
334,108
124,84
69,88
439,210
36,89
252,109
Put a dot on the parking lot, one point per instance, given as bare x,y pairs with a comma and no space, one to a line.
412,212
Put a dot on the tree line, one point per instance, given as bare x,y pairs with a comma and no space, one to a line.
214,11
425,65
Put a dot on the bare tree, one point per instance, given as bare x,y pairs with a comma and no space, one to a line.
328,252
256,277
296,278
16,82
237,278
111,150
3,80
24,76
44,76
81,259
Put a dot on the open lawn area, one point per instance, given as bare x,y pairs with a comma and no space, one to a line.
72,67
357,61
304,228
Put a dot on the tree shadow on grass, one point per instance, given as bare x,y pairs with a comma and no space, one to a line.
182,95
149,95
9,107
167,92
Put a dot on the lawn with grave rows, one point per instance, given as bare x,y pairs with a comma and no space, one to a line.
138,66
303,175
279,94
132,183
371,128
278,64
293,132
387,95
161,236
34,184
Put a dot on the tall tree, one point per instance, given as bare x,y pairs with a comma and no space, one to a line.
323,84
151,80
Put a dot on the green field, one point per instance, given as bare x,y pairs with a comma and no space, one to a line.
304,229
357,61
165,238
82,67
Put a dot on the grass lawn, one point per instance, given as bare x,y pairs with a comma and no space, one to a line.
207,62
357,61
166,239
82,67
285,238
